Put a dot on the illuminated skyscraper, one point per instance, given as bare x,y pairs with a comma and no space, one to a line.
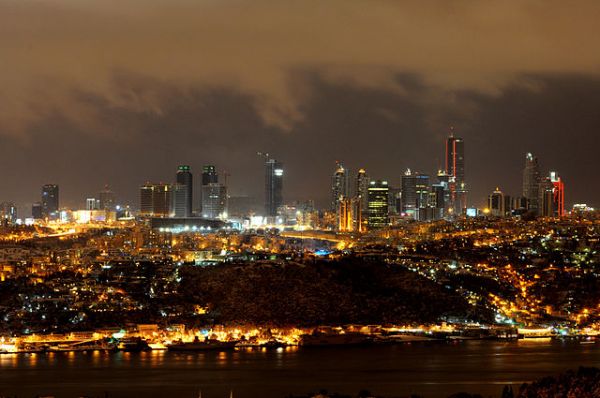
362,189
455,158
339,186
455,169
209,176
378,204
273,186
183,192
8,213
531,183
559,194
422,196
214,200
50,201
155,200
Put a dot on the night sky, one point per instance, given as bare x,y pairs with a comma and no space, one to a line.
120,92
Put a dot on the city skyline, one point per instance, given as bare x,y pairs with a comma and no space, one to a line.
321,199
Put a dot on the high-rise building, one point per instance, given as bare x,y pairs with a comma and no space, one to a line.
455,169
422,197
183,192
8,213
496,203
559,193
362,189
92,204
437,201
273,186
214,200
455,158
209,175
531,183
339,186
547,206
36,211
107,199
409,193
50,201
378,204
156,200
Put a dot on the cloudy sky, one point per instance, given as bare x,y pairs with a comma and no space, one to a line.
120,92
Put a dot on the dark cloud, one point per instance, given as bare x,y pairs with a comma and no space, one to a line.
385,131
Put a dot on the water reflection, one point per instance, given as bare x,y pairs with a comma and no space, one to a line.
431,370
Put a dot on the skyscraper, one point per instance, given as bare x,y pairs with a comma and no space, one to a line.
214,200
362,189
36,211
496,203
455,158
422,196
409,193
183,192
547,206
378,204
107,199
339,186
531,183
273,186
455,169
8,213
209,175
50,201
559,194
155,200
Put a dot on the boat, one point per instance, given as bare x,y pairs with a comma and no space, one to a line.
133,344
206,345
323,339
274,344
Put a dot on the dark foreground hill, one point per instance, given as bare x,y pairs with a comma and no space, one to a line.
341,292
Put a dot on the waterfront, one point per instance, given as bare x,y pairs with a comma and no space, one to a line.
433,370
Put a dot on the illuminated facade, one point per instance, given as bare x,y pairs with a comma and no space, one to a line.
339,186
362,189
273,187
559,194
214,200
409,193
378,204
8,213
209,176
155,200
455,169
